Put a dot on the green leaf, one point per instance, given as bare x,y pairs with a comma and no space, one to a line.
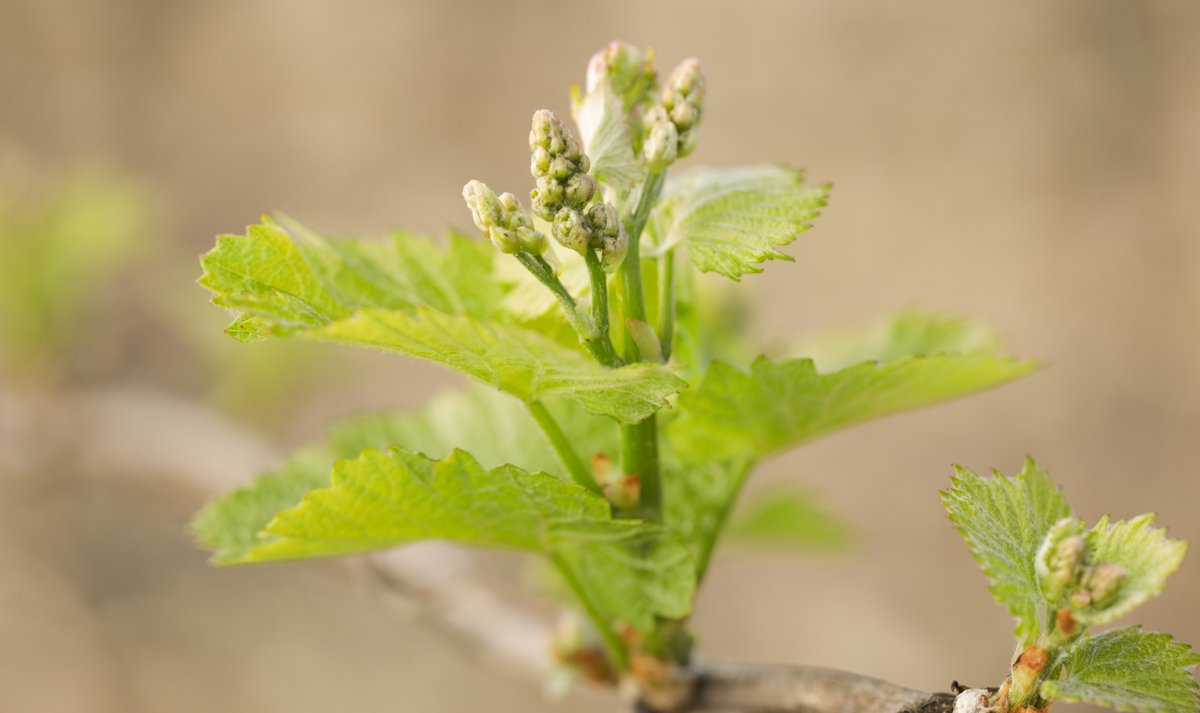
631,570
791,519
514,359
732,219
494,427
779,404
56,247
229,526
1146,555
607,139
409,297
907,334
698,498
1004,522
1130,670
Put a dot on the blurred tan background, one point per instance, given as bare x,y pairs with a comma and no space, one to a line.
1034,164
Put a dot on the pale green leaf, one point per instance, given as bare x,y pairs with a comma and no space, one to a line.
698,498
229,526
607,138
778,404
631,570
411,297
495,428
1004,522
907,334
789,519
732,219
514,359
1145,553
1130,670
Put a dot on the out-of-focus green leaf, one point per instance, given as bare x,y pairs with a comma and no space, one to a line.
790,519
910,333
779,404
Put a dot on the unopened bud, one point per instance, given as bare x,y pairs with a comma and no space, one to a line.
1059,559
613,251
579,189
627,69
625,492
570,230
1103,581
484,206
661,147
502,219
1026,674
559,167
647,341
682,104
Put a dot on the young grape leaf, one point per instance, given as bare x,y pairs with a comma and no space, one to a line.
698,498
409,297
514,359
632,571
907,334
607,139
1004,522
493,427
230,525
789,519
780,404
732,219
1143,552
1127,669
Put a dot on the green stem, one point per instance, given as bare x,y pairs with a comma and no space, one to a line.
562,446
617,653
666,302
639,455
639,442
607,355
600,345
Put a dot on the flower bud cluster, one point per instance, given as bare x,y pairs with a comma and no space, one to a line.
1066,574
672,126
564,189
503,220
627,69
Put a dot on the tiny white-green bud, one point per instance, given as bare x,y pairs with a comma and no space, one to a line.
541,208
688,141
687,79
485,208
1059,559
560,168
602,218
539,161
570,230
1103,581
580,188
550,190
661,147
613,251
684,115
507,241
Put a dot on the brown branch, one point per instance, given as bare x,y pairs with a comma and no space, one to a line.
731,687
